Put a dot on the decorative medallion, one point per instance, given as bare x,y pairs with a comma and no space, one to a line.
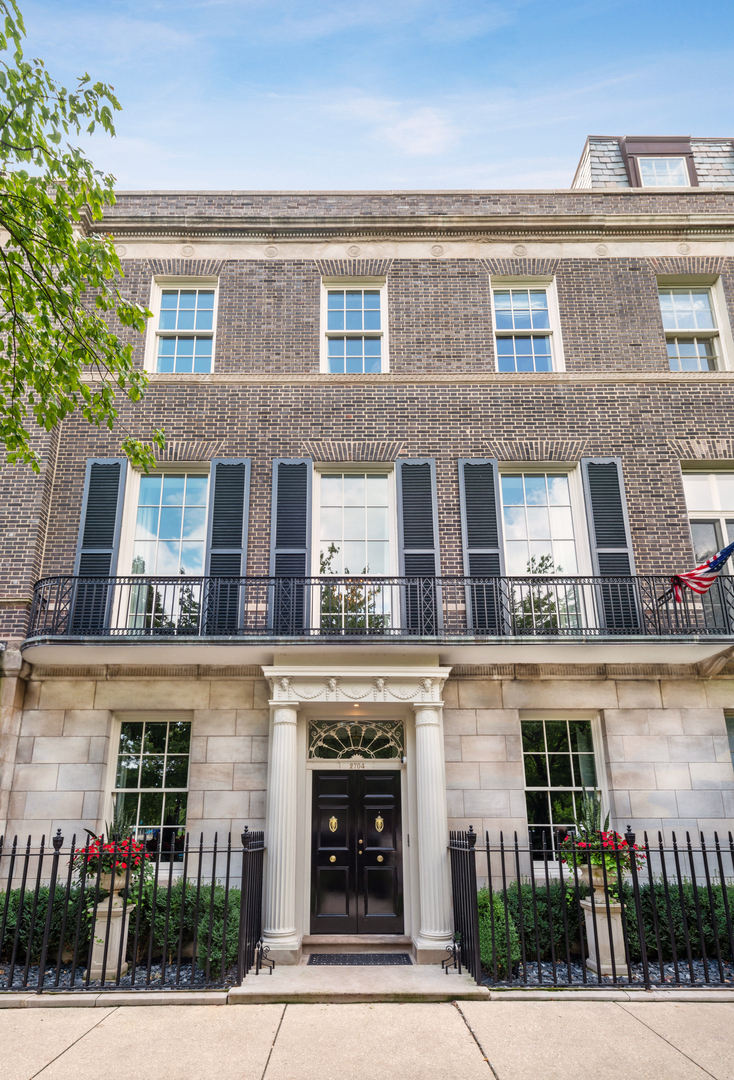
187,251
437,251
379,823
333,823
121,250
684,249
371,740
601,249
519,249
353,251
271,252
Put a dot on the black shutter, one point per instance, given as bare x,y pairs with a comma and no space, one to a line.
418,542
611,543
290,546
481,533
99,541
226,559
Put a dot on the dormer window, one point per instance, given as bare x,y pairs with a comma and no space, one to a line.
663,172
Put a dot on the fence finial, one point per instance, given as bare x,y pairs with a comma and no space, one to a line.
58,841
629,836
246,837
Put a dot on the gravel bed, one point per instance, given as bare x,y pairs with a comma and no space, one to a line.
157,980
577,975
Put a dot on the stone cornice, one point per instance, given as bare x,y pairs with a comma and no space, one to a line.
326,227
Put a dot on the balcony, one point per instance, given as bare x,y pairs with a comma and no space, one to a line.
451,613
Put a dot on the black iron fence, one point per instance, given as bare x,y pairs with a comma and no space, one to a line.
662,917
111,915
348,607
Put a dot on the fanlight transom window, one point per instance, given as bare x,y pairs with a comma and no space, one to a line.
369,740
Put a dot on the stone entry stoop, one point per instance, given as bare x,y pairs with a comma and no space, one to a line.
304,983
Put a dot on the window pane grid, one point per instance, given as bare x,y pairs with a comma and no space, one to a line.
691,354
558,758
687,309
524,353
170,530
353,355
663,172
521,309
185,309
353,309
538,524
152,782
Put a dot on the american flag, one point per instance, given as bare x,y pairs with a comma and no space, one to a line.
702,577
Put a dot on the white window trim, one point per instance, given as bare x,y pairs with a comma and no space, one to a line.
554,318
130,509
722,516
158,284
354,467
722,335
118,719
578,506
378,284
663,157
597,739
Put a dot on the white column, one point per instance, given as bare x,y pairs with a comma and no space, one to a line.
279,915
433,859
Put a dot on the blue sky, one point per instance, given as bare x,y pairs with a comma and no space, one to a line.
386,93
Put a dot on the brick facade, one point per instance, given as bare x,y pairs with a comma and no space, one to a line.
664,735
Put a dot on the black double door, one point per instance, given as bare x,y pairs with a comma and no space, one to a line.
356,853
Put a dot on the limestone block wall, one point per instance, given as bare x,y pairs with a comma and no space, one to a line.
65,744
666,753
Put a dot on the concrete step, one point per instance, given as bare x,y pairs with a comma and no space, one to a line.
300,983
356,943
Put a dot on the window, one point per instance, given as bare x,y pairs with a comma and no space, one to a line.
730,733
663,172
356,331
690,328
151,782
538,524
170,525
185,312
355,523
710,502
558,756
527,331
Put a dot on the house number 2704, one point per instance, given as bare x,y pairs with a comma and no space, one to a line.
356,764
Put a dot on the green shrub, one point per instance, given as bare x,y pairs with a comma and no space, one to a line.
495,926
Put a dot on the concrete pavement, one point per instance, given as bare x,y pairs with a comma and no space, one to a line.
486,1040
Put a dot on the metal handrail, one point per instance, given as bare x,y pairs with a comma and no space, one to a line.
577,606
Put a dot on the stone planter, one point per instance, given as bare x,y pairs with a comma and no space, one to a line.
112,908
604,925
597,877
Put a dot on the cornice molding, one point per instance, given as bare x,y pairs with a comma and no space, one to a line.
340,229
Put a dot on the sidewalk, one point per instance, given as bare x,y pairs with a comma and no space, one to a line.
469,1040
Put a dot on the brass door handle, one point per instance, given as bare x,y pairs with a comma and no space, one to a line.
379,858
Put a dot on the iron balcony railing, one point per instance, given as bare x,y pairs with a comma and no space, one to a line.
377,607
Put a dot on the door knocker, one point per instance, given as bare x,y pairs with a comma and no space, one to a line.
333,823
379,823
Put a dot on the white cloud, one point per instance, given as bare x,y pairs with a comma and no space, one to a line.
406,127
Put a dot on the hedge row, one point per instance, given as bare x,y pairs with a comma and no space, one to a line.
183,925
676,917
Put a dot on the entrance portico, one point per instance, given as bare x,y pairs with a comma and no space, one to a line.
302,695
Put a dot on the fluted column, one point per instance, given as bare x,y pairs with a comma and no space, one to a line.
279,915
433,861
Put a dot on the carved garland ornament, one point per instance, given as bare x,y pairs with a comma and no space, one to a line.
335,688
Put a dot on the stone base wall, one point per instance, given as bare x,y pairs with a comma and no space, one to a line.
64,748
667,759
667,756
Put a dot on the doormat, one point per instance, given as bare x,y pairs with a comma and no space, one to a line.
360,959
